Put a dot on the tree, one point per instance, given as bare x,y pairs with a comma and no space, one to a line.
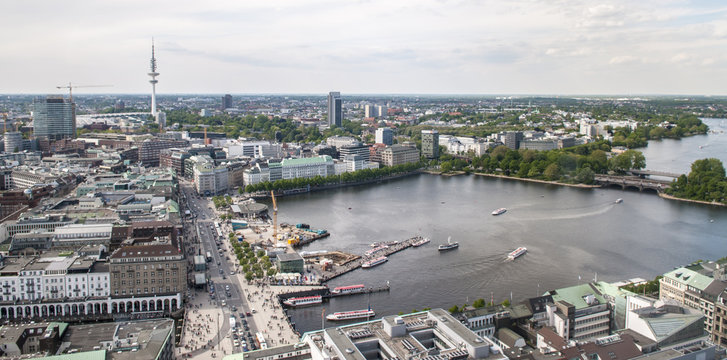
454,309
585,175
552,172
479,303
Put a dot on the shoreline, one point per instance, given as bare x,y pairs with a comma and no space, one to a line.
670,197
581,186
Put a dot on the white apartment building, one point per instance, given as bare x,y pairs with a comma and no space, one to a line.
307,167
53,278
252,149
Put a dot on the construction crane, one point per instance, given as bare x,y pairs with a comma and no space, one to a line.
70,88
275,216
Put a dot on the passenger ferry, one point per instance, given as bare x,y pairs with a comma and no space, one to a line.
449,245
303,301
350,289
375,250
499,211
517,253
374,262
347,315
421,242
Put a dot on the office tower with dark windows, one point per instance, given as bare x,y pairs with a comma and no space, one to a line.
53,118
335,108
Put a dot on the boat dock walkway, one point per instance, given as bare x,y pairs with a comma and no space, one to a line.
311,239
326,293
355,264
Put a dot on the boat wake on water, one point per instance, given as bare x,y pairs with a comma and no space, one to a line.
571,213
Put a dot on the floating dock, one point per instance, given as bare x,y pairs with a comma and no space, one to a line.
355,264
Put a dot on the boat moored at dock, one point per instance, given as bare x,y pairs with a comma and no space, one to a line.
375,250
348,315
303,301
351,289
374,262
420,242
517,253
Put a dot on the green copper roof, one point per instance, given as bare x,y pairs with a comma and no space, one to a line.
307,161
574,295
690,278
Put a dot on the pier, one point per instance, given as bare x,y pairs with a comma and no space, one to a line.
311,239
326,293
355,264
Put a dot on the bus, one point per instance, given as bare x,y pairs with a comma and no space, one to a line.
218,230
232,323
260,341
209,256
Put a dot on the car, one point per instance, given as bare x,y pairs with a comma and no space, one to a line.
248,313
234,336
235,342
234,308
221,272
227,287
232,272
224,277
224,303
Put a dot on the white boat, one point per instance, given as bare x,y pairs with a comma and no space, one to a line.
303,301
517,253
375,250
618,201
350,289
347,315
449,245
421,242
374,262
499,211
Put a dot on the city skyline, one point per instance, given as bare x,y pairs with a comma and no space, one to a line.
370,47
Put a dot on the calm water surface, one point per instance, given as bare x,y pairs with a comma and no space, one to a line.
569,233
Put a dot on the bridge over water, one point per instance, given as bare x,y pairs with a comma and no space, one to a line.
644,173
632,182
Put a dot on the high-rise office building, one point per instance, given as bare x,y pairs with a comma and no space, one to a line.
226,101
430,144
512,139
384,136
335,108
53,118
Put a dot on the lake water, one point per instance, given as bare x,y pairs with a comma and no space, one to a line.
569,233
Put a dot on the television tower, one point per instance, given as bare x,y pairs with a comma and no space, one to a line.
153,81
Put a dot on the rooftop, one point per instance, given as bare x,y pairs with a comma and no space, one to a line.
433,334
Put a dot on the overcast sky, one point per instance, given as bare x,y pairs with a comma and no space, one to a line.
367,46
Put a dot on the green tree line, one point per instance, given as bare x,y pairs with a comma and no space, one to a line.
705,182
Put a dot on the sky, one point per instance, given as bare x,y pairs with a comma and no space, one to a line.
538,47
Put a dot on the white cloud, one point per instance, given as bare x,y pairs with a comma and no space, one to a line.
407,46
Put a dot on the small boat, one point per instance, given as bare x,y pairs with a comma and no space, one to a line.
420,242
350,289
618,201
303,301
517,253
347,315
499,211
449,245
375,250
374,262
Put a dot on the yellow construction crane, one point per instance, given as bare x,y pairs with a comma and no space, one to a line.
275,216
